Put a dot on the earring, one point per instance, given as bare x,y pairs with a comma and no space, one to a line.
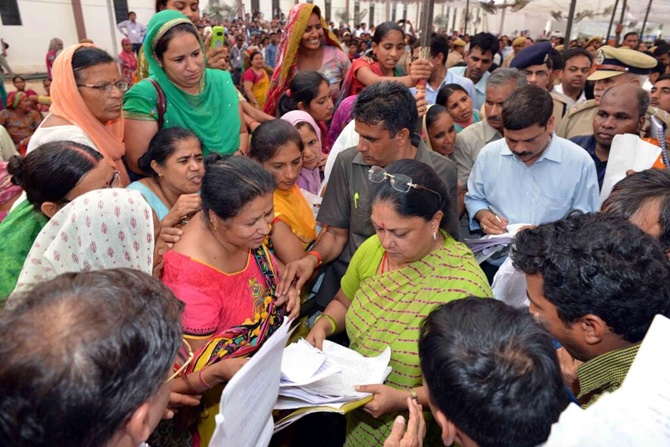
160,176
215,224
434,236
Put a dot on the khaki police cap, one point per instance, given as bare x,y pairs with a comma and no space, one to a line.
519,41
617,61
458,43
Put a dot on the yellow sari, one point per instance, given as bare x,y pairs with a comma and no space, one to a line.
292,208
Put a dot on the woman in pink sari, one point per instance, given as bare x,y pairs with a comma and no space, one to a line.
127,62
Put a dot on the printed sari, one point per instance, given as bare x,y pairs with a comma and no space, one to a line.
387,310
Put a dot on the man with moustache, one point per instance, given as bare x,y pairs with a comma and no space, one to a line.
621,110
521,178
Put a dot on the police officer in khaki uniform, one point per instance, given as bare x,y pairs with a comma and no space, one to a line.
536,63
615,66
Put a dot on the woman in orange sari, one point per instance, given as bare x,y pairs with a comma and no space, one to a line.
86,95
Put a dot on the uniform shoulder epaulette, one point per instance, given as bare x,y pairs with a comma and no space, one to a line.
584,105
660,114
558,97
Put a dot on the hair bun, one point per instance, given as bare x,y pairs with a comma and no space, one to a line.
15,169
144,162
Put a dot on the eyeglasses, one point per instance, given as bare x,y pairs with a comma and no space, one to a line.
399,182
184,358
116,180
107,88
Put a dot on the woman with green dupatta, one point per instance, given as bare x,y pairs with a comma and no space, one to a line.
395,279
181,92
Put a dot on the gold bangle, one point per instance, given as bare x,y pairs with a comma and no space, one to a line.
333,323
413,394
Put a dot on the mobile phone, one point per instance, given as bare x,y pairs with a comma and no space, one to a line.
218,36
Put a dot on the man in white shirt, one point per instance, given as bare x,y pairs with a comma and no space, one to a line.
576,67
133,30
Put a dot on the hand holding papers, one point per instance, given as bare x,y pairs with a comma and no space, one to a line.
245,412
314,380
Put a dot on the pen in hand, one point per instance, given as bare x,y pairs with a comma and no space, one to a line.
497,217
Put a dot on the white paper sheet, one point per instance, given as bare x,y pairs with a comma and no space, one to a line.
245,412
301,361
628,151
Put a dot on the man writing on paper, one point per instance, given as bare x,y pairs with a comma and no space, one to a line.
522,178
523,394
595,282
621,111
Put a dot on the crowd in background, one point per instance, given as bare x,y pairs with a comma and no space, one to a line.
167,208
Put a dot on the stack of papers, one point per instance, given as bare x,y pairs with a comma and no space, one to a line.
323,381
493,245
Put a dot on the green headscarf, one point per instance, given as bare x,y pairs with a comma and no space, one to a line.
212,114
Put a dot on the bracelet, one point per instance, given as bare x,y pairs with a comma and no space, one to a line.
317,256
193,389
207,385
333,323
414,395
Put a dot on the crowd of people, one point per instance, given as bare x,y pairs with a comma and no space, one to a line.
164,210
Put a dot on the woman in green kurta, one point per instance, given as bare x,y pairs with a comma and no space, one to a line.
195,97
395,279
52,175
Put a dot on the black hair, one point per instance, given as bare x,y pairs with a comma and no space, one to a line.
634,193
230,183
51,171
434,113
574,52
270,136
304,87
526,106
87,350
387,102
161,5
18,77
131,12
630,33
417,202
439,44
555,60
663,77
485,42
85,57
492,371
598,264
446,91
383,29
164,41
660,70
661,50
253,54
162,145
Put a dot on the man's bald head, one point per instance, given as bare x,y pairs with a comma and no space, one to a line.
621,110
629,93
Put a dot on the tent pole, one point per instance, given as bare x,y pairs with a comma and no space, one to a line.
502,18
568,30
644,24
609,28
618,35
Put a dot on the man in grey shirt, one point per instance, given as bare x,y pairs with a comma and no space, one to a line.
386,118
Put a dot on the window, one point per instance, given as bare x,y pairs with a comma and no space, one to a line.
121,10
9,12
